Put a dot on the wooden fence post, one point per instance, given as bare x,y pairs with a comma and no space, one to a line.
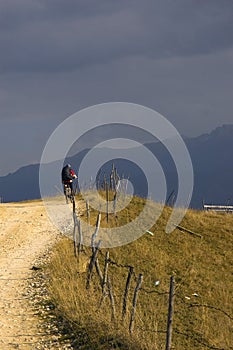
95,249
110,182
114,203
75,229
105,182
74,204
91,265
107,200
105,272
75,239
138,286
126,292
88,212
111,298
97,226
98,270
105,278
188,231
112,177
80,237
170,314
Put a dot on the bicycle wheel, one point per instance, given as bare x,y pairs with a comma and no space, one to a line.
67,193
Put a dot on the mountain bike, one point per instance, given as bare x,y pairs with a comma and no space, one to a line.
68,193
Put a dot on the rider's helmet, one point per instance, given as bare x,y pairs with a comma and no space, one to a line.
68,165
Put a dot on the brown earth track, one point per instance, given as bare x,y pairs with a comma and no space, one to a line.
26,234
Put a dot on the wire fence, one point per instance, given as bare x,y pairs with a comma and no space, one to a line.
134,286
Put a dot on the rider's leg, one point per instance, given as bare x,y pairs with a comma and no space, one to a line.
71,188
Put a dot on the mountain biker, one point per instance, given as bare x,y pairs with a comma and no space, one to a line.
67,176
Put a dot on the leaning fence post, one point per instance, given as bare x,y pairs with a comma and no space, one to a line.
91,265
98,270
126,292
170,314
105,278
95,249
138,286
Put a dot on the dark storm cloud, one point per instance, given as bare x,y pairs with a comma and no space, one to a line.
66,35
58,56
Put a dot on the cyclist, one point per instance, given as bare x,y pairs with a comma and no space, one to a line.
67,176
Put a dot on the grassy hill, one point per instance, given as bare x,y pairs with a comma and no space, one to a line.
202,268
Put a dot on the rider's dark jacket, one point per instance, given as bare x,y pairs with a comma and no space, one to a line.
66,175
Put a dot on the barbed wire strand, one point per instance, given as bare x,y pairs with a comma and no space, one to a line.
199,340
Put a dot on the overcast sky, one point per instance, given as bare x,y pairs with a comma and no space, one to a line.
59,56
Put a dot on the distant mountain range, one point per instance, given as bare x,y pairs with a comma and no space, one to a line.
211,156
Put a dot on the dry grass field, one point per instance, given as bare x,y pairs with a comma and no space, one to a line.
202,268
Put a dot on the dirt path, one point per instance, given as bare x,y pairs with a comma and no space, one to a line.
25,235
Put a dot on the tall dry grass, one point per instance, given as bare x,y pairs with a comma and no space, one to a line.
203,291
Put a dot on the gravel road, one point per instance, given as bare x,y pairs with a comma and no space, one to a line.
26,237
